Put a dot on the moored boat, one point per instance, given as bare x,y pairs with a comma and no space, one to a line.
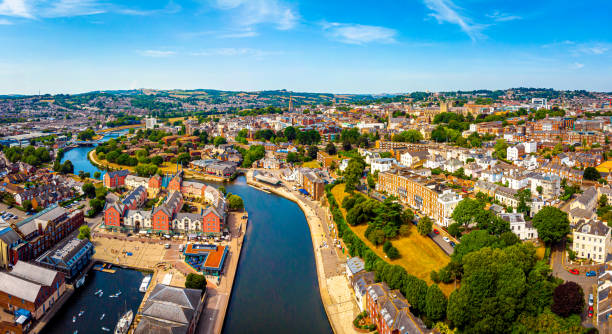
123,325
145,283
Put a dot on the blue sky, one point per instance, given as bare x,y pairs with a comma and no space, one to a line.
383,46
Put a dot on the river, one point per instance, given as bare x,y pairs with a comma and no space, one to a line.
78,156
276,288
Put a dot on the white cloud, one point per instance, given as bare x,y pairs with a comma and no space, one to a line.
447,11
592,49
17,8
156,53
232,52
5,22
243,33
503,17
253,12
577,66
359,34
69,8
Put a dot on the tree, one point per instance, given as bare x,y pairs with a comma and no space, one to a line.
425,225
290,133
539,189
89,190
312,152
84,232
27,205
590,173
293,157
97,175
523,196
568,298
235,202
195,281
500,148
219,141
435,303
466,211
353,172
455,229
390,250
603,200
67,167
222,190
552,224
330,148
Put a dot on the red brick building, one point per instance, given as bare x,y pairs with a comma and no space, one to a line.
162,215
212,221
115,179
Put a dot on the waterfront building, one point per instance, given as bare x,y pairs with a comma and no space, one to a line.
432,198
114,212
114,179
354,265
43,230
30,287
137,219
591,240
155,185
161,216
133,181
389,310
312,184
205,258
171,309
360,282
69,258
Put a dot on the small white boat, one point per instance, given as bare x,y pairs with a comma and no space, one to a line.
106,329
74,318
81,313
80,282
103,315
76,332
145,283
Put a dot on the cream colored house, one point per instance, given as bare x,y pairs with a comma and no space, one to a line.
592,240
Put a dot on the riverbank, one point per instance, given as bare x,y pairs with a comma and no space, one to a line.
334,287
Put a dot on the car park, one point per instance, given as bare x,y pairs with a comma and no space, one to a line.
574,271
591,273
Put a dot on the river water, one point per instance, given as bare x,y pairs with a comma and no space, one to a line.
275,290
78,156
124,280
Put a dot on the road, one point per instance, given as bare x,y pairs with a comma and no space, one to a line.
588,284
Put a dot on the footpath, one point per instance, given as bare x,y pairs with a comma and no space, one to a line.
334,287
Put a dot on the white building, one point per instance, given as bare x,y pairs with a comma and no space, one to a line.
133,181
449,201
137,219
150,122
515,152
382,164
523,230
592,240
187,222
411,157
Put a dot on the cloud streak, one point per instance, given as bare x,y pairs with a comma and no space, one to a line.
37,9
248,13
359,34
498,16
445,11
156,53
233,52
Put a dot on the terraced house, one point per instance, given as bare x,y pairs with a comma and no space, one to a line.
389,310
432,198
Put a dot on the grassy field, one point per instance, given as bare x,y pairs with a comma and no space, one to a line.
419,254
311,164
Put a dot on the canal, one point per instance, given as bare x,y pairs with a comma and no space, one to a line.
276,288
124,280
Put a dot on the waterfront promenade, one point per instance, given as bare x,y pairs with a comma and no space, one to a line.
334,287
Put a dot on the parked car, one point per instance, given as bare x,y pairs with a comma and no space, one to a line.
591,273
453,244
446,239
574,271
436,231
591,300
590,311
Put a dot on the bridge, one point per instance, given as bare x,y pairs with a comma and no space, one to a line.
86,143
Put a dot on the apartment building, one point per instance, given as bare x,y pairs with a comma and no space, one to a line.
390,310
432,198
591,240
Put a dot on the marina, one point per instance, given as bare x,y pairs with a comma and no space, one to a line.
90,310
